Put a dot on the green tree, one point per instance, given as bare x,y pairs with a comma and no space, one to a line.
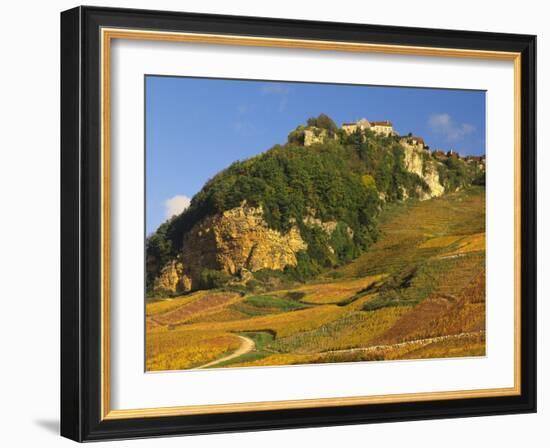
323,121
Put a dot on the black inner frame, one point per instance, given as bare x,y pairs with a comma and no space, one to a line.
81,224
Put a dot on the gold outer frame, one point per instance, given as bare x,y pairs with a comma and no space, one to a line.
107,35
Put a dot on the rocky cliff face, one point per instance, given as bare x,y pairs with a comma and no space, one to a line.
417,162
431,177
314,135
414,160
172,279
235,240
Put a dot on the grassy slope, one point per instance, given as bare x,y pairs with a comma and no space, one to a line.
424,278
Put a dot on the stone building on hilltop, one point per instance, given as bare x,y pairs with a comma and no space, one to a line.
378,127
413,140
382,128
314,134
418,141
350,128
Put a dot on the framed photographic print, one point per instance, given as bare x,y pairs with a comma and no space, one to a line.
273,223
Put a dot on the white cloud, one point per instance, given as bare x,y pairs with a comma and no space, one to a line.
176,204
283,103
279,89
282,90
443,124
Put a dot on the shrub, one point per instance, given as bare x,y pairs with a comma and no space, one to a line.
296,137
211,278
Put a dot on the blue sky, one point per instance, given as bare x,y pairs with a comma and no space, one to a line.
195,127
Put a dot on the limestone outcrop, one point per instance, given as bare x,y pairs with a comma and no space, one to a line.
172,279
314,135
431,177
417,160
414,158
235,240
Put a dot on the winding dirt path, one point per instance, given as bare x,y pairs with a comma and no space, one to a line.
247,346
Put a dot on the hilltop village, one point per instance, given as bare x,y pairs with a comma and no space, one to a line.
314,134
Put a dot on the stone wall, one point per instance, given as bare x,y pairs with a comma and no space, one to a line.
314,135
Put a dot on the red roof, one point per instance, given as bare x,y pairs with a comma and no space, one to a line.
381,123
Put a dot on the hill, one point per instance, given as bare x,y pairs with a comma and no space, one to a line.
298,209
